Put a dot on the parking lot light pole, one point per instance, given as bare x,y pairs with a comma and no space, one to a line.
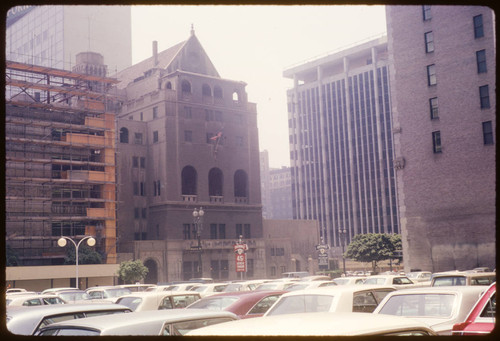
62,243
342,235
198,223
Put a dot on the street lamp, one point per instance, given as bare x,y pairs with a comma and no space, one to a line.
342,234
62,243
198,223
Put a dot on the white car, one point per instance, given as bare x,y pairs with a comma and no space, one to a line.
244,285
277,284
209,289
419,276
158,300
397,280
33,300
318,324
338,298
107,293
174,287
438,307
349,280
302,285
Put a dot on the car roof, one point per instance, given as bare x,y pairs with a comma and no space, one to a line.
112,324
337,289
163,293
251,293
323,323
442,289
19,317
464,274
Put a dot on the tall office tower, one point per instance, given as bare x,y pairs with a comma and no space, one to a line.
341,143
52,36
59,162
188,140
265,184
280,189
444,105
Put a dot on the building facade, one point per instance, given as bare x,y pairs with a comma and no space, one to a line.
276,189
443,94
60,163
341,148
53,35
187,140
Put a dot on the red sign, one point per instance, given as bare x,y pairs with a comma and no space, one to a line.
241,261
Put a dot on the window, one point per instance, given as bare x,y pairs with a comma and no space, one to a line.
158,187
213,231
186,86
136,187
141,116
143,162
154,188
239,230
155,112
143,189
433,106
143,213
222,231
135,161
138,138
217,92
429,42
487,133
123,135
188,136
206,90
209,115
431,75
188,112
136,212
426,12
189,179
436,141
481,61
478,26
186,228
246,231
484,96
155,136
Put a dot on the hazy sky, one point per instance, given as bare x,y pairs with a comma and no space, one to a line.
254,44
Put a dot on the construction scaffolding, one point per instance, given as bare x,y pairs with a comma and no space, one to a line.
60,162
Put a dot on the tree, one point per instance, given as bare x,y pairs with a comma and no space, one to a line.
132,271
86,255
373,247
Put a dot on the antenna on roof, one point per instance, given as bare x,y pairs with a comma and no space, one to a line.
192,29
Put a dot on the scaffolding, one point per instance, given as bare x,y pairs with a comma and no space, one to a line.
60,162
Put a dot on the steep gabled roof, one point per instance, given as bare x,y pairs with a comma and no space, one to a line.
188,55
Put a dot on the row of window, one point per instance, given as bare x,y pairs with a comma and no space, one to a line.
484,102
487,137
217,231
206,90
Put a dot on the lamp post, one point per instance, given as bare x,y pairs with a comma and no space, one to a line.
342,233
198,223
62,243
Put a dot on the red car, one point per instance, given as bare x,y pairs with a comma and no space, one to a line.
481,319
245,304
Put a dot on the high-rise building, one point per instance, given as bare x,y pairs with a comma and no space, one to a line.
341,147
188,139
53,35
443,68
276,189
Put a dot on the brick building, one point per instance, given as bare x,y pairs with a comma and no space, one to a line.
443,94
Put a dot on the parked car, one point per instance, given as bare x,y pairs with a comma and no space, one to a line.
13,290
295,274
243,285
419,276
309,285
276,285
463,278
56,290
481,319
165,322
28,320
349,280
209,288
318,324
438,307
33,300
396,280
158,300
245,304
316,278
107,293
137,287
174,287
339,298
73,296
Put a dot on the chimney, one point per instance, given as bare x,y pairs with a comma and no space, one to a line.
155,53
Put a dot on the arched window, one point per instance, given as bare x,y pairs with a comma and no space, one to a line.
186,86
215,182
168,85
236,96
217,92
123,135
206,90
240,184
189,177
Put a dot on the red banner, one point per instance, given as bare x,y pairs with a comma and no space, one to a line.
241,261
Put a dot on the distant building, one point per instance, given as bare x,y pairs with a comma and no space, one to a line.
443,68
276,189
341,149
265,184
53,35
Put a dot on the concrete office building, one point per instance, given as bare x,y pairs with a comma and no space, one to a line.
276,189
444,105
53,35
187,140
341,143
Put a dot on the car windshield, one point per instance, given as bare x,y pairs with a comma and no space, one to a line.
118,292
268,286
419,305
449,280
374,281
73,296
297,287
301,304
214,303
131,302
341,281
233,287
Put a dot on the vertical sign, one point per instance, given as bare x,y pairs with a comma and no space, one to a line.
241,262
322,256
